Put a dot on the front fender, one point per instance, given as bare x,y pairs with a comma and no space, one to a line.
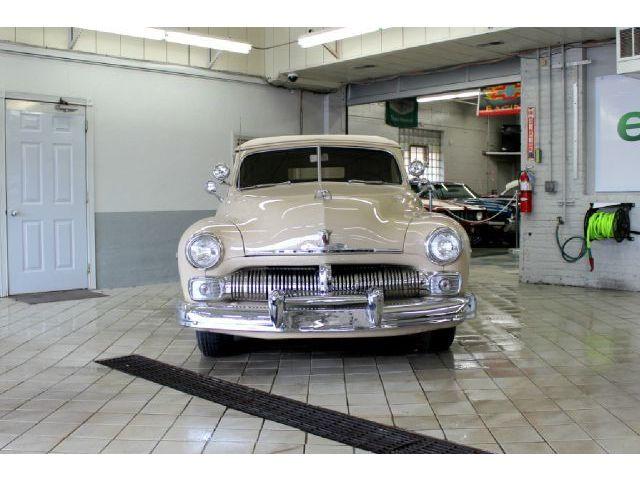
425,223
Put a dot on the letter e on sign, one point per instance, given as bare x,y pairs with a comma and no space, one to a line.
629,127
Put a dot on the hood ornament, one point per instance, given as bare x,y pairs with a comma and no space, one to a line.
323,194
325,237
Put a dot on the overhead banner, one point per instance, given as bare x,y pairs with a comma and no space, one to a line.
617,134
499,100
402,113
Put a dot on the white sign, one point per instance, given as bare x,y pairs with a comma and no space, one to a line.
617,134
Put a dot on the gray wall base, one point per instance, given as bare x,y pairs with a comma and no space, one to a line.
139,248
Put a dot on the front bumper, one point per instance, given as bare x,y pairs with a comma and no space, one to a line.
366,315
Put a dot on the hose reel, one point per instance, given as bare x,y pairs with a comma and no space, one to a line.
599,224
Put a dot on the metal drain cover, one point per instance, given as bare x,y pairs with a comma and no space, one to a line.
340,427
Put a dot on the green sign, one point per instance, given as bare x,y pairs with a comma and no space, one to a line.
629,127
402,113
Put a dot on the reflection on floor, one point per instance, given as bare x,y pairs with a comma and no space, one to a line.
541,369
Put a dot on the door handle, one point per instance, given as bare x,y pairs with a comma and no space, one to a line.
13,213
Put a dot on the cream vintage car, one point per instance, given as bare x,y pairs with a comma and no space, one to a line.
321,236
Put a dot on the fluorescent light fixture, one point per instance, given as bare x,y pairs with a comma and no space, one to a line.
449,96
208,42
327,36
183,38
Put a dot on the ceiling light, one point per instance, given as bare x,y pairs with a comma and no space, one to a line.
449,96
326,36
208,42
183,38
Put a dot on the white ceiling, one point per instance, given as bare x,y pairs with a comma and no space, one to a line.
448,53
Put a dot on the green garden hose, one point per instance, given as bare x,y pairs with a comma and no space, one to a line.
598,225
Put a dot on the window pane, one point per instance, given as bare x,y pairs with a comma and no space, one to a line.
295,165
424,145
344,164
452,191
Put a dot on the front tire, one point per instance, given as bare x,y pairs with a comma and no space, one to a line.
213,344
437,340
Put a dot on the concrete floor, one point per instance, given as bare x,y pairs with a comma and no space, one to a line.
541,369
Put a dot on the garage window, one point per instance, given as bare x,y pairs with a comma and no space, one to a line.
424,145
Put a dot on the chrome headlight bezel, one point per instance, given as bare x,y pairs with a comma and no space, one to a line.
428,242
197,237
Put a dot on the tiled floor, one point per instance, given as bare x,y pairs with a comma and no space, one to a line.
541,369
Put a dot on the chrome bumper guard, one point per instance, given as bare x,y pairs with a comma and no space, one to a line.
359,314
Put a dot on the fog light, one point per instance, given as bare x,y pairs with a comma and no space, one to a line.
203,289
445,283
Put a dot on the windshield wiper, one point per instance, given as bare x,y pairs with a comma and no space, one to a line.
368,182
261,185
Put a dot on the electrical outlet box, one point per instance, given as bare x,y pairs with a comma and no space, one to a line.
550,186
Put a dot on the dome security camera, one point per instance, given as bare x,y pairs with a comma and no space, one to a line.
292,77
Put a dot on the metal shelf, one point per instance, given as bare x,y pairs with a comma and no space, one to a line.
502,154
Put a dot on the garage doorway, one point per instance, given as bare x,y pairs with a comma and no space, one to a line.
46,196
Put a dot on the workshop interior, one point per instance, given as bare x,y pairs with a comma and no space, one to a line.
319,240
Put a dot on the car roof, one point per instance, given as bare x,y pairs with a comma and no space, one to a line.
313,140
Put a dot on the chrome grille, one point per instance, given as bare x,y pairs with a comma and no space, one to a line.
256,283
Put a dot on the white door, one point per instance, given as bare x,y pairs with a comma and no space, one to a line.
46,197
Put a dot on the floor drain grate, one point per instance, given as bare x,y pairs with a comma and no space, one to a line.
337,426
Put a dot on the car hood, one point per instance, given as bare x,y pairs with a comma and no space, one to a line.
491,204
290,219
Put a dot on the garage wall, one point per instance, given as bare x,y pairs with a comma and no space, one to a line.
152,50
464,138
323,113
157,137
540,260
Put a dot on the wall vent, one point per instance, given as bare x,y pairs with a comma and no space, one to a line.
628,49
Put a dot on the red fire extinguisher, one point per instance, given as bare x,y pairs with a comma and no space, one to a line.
526,193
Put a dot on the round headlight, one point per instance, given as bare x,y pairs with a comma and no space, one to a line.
204,250
478,215
443,246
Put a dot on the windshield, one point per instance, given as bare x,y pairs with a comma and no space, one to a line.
452,191
354,165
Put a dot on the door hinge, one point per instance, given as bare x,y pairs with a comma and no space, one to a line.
86,126
88,268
